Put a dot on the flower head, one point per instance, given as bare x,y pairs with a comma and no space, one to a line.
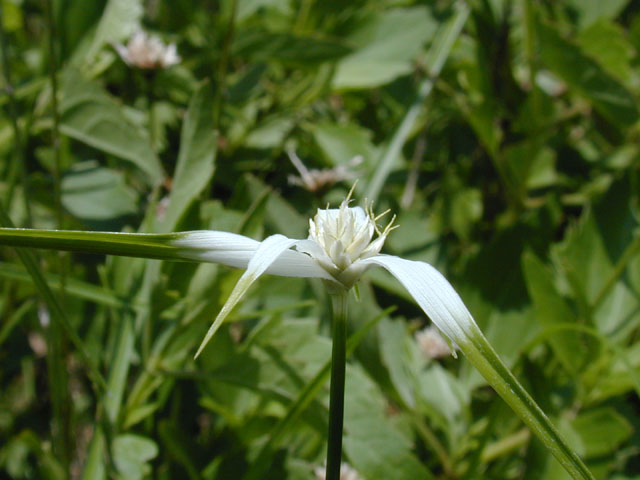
148,52
432,344
340,238
346,472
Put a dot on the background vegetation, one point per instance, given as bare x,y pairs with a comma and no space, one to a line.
503,134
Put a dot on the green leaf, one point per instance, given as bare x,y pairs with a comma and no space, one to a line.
590,11
585,77
270,132
341,142
392,337
196,159
607,43
89,115
594,256
551,310
292,49
120,19
602,431
131,454
372,444
94,193
385,46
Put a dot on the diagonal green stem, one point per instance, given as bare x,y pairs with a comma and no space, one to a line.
482,355
436,58
336,392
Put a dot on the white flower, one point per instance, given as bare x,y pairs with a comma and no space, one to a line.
339,249
346,472
432,344
148,52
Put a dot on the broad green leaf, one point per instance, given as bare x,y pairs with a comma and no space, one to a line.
590,11
131,455
371,442
94,193
589,257
279,213
340,143
195,166
445,395
385,46
551,310
607,43
88,114
271,132
585,77
602,431
120,19
73,287
292,49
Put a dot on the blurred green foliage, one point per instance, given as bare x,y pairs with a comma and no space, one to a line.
510,155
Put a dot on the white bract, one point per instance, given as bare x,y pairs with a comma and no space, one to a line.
148,52
340,248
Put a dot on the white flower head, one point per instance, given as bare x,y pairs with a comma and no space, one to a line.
346,472
432,343
148,52
341,238
340,248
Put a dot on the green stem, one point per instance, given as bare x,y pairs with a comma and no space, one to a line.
438,54
221,73
482,355
506,445
58,314
19,165
53,67
336,392
617,272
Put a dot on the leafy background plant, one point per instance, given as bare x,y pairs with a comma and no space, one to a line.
504,135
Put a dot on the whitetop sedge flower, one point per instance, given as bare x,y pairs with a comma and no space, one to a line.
432,344
339,249
346,472
148,52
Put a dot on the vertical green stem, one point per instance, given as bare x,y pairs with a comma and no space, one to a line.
336,393
221,73
19,165
53,70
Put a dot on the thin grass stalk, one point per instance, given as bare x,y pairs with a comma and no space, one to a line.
221,72
19,164
336,392
436,58
58,314
58,376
